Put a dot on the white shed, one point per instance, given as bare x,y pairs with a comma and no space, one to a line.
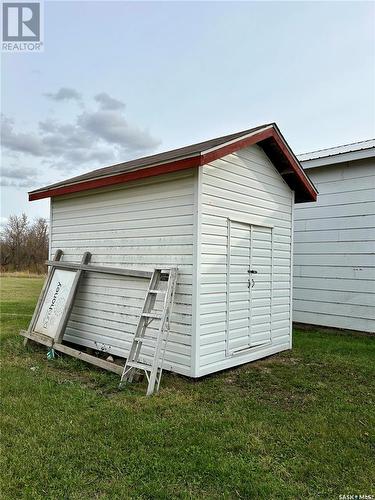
222,212
334,258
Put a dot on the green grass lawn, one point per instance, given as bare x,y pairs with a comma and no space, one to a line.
297,425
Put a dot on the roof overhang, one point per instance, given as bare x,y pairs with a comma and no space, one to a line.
339,158
268,138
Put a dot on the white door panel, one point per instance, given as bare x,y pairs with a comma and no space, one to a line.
249,286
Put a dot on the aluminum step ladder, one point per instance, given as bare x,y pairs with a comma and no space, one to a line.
154,341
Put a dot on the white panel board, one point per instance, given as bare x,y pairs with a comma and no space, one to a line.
55,300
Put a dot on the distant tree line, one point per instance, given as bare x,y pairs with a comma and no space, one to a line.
24,244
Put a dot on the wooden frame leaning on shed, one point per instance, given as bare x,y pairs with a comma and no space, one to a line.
54,331
57,313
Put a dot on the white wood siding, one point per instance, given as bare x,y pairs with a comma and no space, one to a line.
246,187
334,249
142,224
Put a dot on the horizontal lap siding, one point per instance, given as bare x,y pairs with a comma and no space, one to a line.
334,249
141,226
246,187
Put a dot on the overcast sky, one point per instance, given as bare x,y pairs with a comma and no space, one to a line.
119,80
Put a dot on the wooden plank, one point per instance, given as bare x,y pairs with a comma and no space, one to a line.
37,337
69,302
99,269
101,363
56,258
47,341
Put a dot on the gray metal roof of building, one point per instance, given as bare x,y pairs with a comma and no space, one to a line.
337,150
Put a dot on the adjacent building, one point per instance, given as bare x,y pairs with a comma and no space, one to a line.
334,240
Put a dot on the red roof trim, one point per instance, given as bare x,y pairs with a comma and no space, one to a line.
235,146
112,180
186,163
253,139
296,167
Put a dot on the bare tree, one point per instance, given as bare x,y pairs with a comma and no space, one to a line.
24,245
37,242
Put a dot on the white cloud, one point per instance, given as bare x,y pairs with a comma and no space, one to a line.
112,127
17,176
91,139
20,142
107,102
64,94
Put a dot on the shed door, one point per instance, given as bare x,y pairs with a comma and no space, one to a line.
249,286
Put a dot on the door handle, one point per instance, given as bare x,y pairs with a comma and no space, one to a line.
253,271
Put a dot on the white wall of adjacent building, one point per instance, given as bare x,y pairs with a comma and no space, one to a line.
334,246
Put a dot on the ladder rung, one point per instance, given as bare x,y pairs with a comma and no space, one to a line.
151,315
141,366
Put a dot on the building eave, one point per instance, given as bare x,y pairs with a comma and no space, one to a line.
339,158
268,137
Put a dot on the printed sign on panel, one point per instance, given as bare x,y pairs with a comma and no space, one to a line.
51,312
